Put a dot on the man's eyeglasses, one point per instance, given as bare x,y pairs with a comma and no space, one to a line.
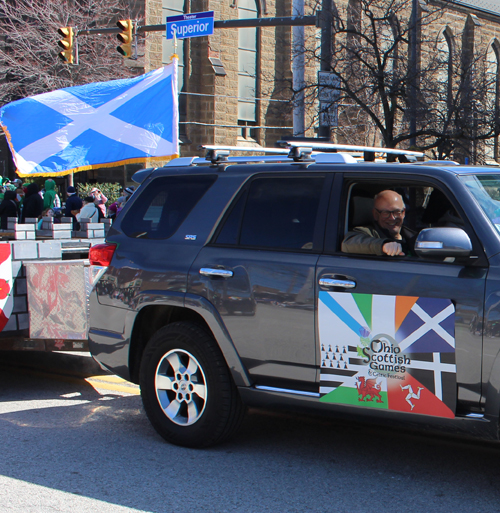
385,214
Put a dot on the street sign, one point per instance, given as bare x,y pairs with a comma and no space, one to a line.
190,25
329,84
328,96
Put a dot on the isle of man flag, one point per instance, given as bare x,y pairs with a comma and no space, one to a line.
389,352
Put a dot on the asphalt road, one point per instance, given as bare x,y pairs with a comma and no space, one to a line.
71,444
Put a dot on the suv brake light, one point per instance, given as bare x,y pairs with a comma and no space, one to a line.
101,254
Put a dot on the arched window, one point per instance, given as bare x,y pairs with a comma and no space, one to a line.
247,69
387,33
444,72
492,95
468,61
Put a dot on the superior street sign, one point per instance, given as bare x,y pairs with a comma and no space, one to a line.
190,25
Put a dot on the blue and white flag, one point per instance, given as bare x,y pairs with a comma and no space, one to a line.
102,124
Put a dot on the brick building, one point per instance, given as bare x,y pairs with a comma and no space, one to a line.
235,84
468,41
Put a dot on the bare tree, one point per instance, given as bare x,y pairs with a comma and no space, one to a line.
458,96
29,62
396,85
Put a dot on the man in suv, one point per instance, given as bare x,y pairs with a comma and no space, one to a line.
386,235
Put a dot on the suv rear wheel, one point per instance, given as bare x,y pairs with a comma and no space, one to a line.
187,389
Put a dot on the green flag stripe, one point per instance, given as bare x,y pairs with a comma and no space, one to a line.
364,302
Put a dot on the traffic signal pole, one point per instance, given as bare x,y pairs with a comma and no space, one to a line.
321,19
252,22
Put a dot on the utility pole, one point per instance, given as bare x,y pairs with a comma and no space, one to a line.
298,72
413,71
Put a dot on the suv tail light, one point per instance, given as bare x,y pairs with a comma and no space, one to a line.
101,254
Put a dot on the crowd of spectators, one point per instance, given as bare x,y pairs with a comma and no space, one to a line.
29,201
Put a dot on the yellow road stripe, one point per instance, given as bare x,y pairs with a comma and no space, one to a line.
109,378
112,382
128,388
102,382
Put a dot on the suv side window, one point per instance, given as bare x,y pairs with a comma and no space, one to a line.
164,205
277,213
426,207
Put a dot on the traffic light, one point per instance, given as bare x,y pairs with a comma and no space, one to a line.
66,44
125,37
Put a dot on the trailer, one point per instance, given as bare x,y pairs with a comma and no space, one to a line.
45,282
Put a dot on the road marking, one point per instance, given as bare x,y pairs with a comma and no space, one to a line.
114,383
100,382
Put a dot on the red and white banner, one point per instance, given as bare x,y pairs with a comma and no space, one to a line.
6,284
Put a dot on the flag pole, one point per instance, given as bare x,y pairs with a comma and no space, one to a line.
174,55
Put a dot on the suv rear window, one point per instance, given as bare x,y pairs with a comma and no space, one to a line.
161,208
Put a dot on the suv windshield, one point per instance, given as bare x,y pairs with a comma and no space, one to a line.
486,190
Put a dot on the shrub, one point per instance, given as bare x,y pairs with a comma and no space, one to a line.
110,190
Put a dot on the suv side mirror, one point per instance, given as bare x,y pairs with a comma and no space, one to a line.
443,242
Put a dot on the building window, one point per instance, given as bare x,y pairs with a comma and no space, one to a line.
247,129
247,69
492,97
444,71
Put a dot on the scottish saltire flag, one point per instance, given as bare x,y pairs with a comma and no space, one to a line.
388,352
102,124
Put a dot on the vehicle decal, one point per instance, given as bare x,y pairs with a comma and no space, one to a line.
388,352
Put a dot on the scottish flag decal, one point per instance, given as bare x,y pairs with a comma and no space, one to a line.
95,125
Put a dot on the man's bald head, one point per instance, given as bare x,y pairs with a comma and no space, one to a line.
387,196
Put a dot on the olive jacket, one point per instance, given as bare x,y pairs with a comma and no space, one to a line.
369,240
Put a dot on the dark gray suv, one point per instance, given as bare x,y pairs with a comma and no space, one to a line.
223,284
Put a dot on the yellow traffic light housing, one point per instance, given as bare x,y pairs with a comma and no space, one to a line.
66,44
125,37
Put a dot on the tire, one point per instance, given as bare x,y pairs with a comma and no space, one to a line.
187,390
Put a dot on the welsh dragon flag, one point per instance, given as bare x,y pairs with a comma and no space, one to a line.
390,352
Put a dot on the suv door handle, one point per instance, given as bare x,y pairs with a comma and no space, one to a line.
223,273
333,282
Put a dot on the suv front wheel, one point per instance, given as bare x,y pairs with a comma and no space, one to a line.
187,389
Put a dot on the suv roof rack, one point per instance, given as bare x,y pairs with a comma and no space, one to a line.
334,147
369,152
220,154
438,163
308,152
